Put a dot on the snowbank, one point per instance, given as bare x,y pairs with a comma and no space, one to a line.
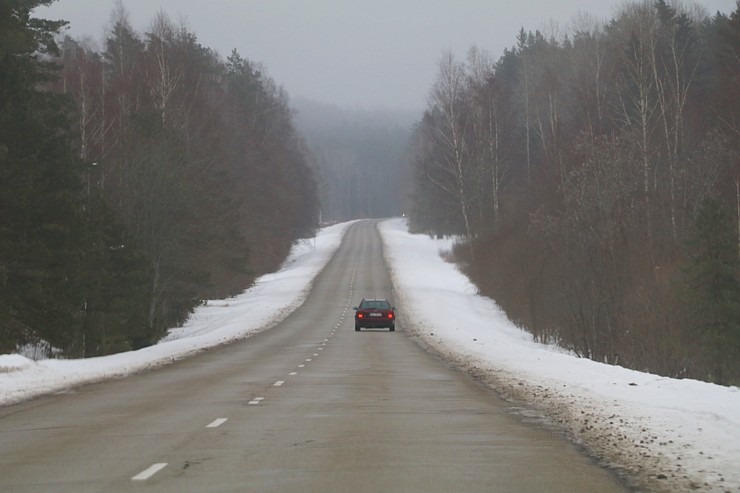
670,434
271,299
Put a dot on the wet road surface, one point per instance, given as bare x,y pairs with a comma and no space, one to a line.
309,405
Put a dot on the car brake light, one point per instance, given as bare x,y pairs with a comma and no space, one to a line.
359,315
390,315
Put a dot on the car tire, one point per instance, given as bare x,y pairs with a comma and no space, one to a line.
393,328
357,328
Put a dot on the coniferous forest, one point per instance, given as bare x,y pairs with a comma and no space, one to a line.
135,181
595,179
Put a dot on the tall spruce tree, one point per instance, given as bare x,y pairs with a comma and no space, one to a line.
714,289
39,184
69,278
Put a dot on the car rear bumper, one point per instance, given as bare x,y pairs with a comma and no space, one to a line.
375,324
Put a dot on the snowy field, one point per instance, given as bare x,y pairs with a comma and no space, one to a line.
672,435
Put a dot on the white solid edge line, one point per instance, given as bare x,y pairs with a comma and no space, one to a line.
217,422
149,472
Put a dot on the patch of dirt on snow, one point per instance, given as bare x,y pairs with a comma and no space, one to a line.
617,442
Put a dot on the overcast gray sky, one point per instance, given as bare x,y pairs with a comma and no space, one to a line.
352,53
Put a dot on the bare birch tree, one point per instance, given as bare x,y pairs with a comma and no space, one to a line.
486,115
639,26
165,73
448,96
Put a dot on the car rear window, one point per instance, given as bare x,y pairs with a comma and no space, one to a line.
383,305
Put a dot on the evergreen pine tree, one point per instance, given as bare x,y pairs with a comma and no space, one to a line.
70,278
714,287
39,183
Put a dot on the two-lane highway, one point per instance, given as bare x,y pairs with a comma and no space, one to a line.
309,405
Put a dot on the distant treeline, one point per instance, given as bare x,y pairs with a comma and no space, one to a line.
135,181
595,178
359,158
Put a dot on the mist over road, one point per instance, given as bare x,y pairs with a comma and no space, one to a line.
309,405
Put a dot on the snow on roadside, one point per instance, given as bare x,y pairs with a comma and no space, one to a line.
269,300
665,434
671,435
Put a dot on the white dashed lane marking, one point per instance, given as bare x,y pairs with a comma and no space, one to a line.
218,422
257,400
155,468
149,472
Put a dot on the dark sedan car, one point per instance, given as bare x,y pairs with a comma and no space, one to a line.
375,313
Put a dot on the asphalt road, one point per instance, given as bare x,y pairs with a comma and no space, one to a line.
307,406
